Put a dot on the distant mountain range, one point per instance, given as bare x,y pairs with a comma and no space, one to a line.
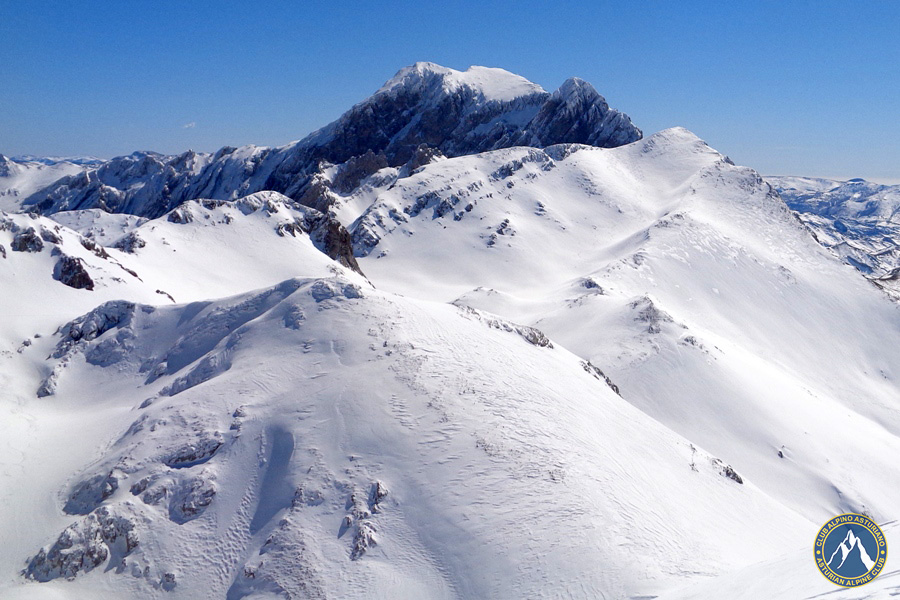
471,340
857,219
54,160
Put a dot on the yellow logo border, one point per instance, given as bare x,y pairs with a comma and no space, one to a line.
868,524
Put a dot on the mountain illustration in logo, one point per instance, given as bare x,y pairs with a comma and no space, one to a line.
850,556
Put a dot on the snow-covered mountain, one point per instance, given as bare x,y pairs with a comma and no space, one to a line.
54,160
685,278
20,179
857,219
321,438
495,367
423,110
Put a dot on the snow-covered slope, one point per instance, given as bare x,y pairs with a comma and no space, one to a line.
50,274
857,219
491,84
201,250
790,576
568,370
100,226
687,280
20,179
213,248
322,439
424,109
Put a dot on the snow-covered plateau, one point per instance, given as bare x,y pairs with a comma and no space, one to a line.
472,340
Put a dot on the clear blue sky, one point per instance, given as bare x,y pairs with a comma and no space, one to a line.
784,86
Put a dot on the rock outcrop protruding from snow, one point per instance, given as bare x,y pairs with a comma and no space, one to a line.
130,243
191,498
109,315
90,493
71,271
531,335
194,454
27,240
84,546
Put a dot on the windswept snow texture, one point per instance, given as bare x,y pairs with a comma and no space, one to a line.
424,106
383,446
688,281
857,219
791,576
472,340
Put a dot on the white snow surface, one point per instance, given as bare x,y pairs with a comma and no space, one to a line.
792,576
270,424
491,83
18,180
688,281
102,227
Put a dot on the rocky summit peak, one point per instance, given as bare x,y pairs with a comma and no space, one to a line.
575,86
424,109
488,83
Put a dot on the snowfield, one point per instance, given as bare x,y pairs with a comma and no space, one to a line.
687,280
545,371
257,431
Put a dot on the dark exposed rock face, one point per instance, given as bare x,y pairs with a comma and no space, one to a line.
596,372
356,169
423,155
181,216
576,113
326,233
84,546
423,110
71,272
333,239
49,236
98,250
727,471
130,243
27,241
196,453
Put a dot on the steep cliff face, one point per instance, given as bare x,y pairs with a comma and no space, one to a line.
423,108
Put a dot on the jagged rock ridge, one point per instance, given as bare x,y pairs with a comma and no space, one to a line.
425,108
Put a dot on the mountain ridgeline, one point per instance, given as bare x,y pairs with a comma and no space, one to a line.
423,111
570,370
